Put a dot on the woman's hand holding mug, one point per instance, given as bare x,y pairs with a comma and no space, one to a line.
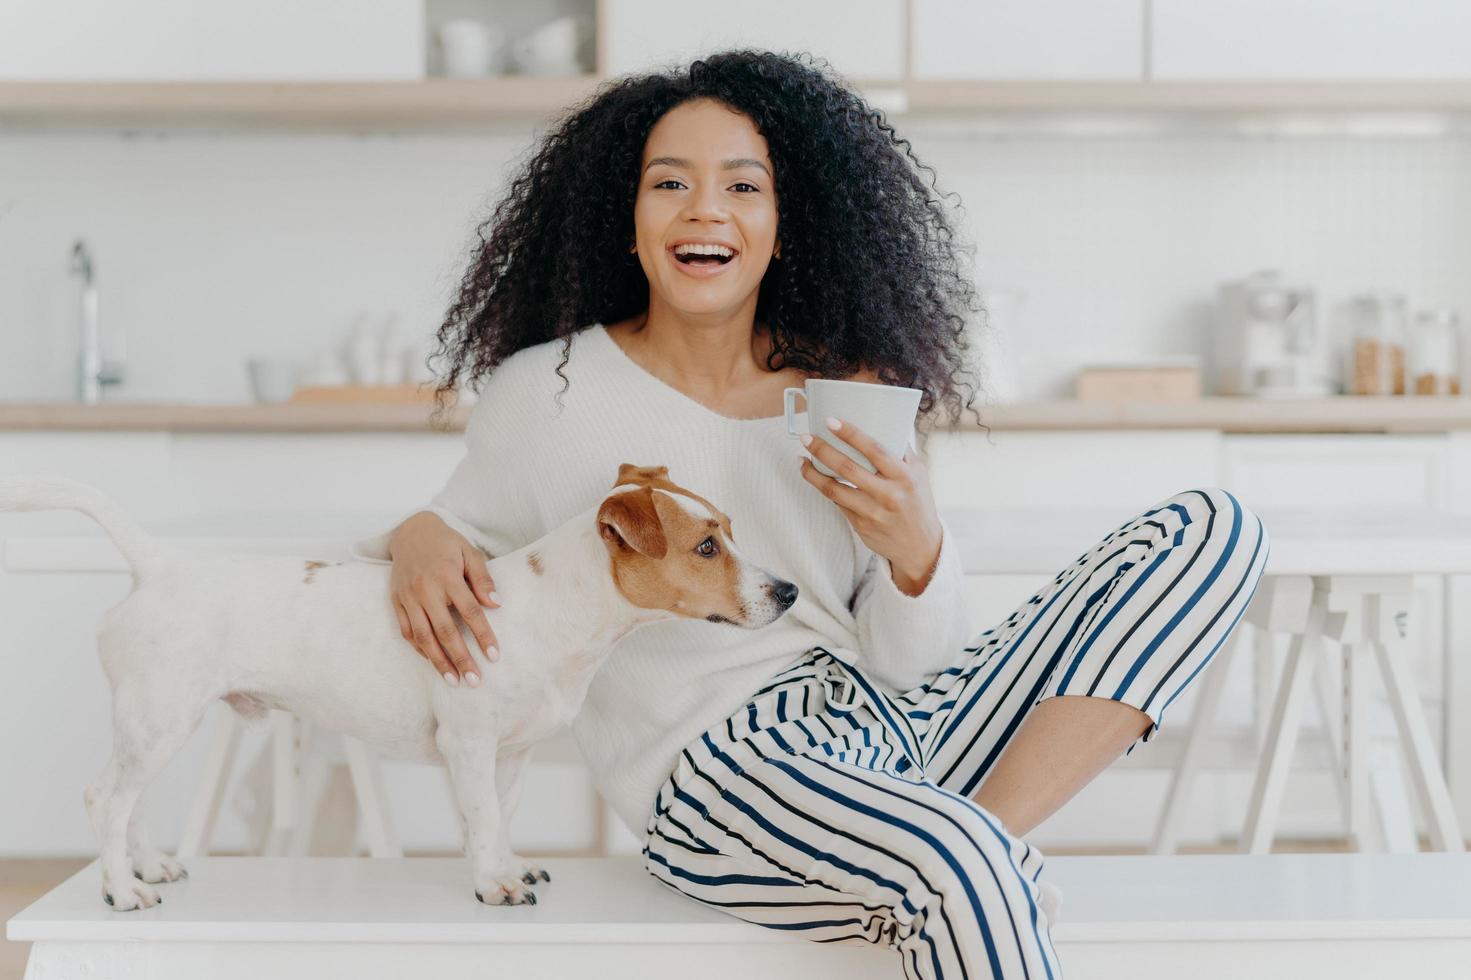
857,464
892,510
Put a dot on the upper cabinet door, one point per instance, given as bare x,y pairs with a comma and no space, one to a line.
1311,39
1003,39
187,40
861,39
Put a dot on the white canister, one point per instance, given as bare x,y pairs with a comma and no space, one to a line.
390,371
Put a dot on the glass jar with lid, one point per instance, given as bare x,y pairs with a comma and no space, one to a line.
1377,352
1435,353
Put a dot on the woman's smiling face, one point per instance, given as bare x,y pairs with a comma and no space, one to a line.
705,175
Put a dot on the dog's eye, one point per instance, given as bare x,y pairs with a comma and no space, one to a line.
713,547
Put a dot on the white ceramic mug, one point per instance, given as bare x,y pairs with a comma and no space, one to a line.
470,48
884,412
272,379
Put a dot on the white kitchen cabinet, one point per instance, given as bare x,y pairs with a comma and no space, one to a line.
54,697
861,39
184,40
1352,471
1310,39
1037,39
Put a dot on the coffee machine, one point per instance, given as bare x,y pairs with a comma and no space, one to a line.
1268,343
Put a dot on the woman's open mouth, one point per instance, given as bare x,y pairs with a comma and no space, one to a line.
702,266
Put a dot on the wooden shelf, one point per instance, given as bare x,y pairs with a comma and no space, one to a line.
393,105
450,103
1341,95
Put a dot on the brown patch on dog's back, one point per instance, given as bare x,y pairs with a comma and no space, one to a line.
533,559
311,568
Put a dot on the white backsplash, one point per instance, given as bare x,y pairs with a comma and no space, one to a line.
213,248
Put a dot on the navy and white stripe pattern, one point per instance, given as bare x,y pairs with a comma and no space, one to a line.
836,809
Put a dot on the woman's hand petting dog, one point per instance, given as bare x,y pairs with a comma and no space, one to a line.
436,568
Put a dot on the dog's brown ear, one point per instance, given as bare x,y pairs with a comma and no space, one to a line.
629,519
628,473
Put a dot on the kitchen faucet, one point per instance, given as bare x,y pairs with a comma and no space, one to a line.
92,371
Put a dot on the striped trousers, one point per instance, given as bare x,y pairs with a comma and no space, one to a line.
840,810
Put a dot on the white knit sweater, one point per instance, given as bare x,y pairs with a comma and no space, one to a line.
529,466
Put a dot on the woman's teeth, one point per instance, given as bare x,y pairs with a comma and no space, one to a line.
703,254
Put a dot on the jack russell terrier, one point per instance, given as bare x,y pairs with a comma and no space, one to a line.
320,640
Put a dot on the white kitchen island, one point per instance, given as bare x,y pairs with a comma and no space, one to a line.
1206,916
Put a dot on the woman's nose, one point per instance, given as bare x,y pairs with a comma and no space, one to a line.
705,202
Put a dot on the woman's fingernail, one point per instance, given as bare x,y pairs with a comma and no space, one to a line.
453,681
495,597
473,678
833,423
492,653
806,439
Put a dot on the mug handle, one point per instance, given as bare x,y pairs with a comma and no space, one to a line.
788,404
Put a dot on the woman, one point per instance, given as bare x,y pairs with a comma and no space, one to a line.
840,772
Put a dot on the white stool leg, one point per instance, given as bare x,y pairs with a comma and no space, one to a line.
1330,711
1167,832
200,824
283,783
314,777
1362,835
1425,772
1271,775
367,779
1263,673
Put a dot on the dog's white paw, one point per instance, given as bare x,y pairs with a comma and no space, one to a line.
125,896
510,885
156,867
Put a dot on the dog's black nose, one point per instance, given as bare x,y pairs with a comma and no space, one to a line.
786,593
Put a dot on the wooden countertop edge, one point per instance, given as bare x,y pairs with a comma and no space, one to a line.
1335,414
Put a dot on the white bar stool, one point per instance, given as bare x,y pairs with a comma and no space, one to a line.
1361,613
300,771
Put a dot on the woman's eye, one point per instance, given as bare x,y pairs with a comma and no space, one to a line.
671,180
702,550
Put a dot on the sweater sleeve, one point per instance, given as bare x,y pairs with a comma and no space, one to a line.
903,639
485,497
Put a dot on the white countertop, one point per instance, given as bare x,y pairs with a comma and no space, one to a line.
1340,413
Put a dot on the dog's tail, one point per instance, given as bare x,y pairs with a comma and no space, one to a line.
143,551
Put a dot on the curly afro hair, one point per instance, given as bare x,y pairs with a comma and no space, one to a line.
869,274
